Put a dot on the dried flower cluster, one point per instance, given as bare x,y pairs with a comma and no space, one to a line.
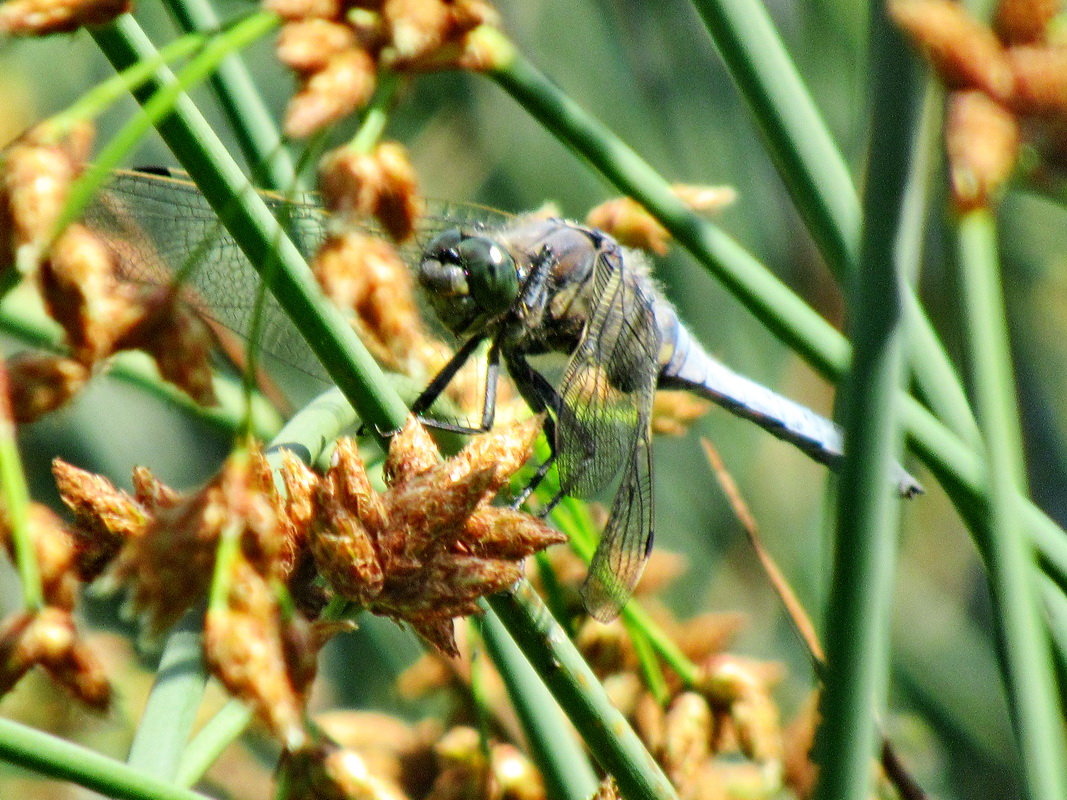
429,547
1004,81
267,560
336,48
42,17
629,222
78,274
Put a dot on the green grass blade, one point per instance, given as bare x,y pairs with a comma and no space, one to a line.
1028,666
857,615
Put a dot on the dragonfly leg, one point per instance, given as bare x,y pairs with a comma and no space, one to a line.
540,396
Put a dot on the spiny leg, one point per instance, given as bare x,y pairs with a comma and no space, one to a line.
540,396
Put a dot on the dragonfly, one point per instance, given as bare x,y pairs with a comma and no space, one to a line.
526,286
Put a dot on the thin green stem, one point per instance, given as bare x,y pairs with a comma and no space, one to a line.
170,712
608,736
58,758
1028,665
242,102
558,756
857,614
15,503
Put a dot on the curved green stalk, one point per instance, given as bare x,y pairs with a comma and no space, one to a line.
1027,660
554,750
608,736
58,758
857,613
170,712
241,101
15,504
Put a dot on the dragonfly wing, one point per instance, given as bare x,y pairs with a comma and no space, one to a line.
609,382
627,541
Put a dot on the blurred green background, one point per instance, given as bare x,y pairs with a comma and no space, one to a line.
649,71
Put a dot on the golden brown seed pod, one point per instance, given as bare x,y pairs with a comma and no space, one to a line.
41,383
982,140
244,649
965,53
674,412
47,638
177,339
687,734
1024,21
323,771
380,184
82,293
366,274
36,179
743,687
629,222
436,542
105,517
53,549
41,17
344,85
433,34
1040,80
307,45
304,9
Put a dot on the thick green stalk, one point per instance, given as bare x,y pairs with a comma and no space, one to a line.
553,747
58,758
1026,655
857,614
608,736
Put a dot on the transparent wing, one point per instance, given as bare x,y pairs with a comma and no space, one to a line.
607,389
627,540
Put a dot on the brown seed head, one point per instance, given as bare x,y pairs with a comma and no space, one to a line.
742,687
964,52
381,185
674,412
304,9
83,294
41,383
244,649
1024,21
982,139
365,273
323,771
53,547
435,34
48,638
36,179
688,729
177,339
306,46
170,566
105,517
41,17
344,85
1040,80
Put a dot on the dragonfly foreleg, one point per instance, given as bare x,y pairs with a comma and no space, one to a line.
540,396
444,377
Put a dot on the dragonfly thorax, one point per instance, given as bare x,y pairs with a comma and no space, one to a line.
469,280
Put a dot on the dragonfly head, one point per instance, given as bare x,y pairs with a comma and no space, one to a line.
468,279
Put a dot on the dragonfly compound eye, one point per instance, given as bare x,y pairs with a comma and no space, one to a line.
491,273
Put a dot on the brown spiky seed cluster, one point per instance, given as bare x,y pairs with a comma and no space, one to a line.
336,48
425,550
632,225
41,17
1005,81
422,553
79,277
